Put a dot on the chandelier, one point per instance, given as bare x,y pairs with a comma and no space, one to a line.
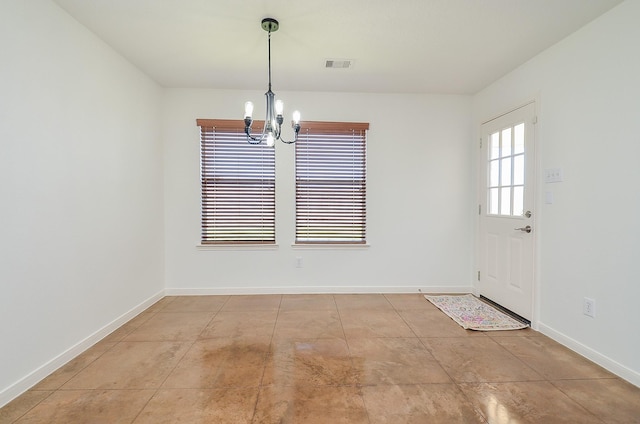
272,130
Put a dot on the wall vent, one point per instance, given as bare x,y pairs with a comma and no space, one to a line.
338,63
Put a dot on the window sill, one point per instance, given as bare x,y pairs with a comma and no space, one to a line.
329,246
230,247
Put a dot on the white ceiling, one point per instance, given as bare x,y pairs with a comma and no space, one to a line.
401,46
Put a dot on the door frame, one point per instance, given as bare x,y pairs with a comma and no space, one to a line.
537,199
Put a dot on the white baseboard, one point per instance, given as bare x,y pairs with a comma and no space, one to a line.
33,378
231,290
604,361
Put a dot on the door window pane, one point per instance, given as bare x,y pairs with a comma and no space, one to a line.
518,200
505,201
494,178
506,143
518,142
505,178
518,170
506,171
493,201
495,145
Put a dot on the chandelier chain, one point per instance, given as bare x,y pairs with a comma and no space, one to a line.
269,60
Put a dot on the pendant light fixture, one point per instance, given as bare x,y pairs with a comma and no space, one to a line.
272,130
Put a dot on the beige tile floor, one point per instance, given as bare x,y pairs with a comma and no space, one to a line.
321,359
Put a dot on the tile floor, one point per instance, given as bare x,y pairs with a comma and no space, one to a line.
321,359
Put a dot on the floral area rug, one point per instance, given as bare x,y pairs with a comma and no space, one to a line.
473,314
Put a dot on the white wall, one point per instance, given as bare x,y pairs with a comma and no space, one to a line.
81,216
588,87
418,198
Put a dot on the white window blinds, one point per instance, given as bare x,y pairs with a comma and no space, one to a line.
331,183
238,185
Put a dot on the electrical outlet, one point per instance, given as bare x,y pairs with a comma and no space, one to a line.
298,262
589,307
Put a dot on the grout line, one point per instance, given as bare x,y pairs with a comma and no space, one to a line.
32,408
520,360
145,405
575,401
265,362
215,314
358,384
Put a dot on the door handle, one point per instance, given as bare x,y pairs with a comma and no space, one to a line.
526,229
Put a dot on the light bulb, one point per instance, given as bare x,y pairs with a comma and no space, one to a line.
270,140
296,117
279,107
248,109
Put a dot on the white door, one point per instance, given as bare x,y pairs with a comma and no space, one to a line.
507,210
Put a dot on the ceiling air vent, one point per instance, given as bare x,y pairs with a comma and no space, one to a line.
338,64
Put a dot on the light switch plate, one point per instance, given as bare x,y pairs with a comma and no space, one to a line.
553,175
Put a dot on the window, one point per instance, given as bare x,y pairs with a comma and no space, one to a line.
331,183
506,171
238,185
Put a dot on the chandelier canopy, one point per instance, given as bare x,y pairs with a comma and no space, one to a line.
272,130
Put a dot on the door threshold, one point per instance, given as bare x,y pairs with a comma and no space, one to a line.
505,310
